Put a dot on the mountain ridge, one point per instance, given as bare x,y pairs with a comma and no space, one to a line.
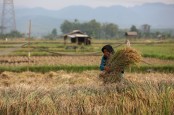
158,15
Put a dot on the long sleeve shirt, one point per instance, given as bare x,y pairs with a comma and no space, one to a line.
103,63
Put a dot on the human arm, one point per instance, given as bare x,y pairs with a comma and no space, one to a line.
103,65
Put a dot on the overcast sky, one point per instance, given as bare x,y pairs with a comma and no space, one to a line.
59,4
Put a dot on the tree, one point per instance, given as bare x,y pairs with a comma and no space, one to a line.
133,28
109,30
51,35
66,26
14,34
93,28
76,25
54,32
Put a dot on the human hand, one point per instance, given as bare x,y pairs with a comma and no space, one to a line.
107,68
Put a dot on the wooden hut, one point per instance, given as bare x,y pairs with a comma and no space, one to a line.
78,37
131,34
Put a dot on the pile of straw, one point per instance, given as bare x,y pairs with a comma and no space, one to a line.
119,61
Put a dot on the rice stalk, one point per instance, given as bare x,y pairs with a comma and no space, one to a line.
119,61
124,58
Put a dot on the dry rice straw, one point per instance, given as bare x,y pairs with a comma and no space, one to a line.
119,61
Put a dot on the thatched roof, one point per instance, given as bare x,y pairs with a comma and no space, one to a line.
76,34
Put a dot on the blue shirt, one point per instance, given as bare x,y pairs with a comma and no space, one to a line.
103,63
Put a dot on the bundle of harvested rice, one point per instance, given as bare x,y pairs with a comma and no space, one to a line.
124,58
119,61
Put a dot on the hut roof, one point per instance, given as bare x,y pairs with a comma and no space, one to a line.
131,33
77,33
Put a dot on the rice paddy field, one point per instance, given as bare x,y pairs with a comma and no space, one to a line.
58,79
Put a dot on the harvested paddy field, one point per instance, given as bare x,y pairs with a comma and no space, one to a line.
59,85
63,92
68,60
53,79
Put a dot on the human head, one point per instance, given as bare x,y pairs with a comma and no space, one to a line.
107,50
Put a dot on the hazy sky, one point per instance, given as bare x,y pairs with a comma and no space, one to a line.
58,4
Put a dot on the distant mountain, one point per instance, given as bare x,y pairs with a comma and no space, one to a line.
158,15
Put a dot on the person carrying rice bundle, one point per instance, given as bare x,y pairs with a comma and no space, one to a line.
105,68
113,63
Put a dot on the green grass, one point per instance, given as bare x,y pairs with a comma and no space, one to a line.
74,68
47,45
40,49
36,53
162,51
155,49
45,69
146,69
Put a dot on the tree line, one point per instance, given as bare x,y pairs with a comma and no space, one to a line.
92,28
12,34
107,30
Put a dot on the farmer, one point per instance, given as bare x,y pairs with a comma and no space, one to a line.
107,52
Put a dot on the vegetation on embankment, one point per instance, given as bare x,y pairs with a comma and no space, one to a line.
148,48
71,68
